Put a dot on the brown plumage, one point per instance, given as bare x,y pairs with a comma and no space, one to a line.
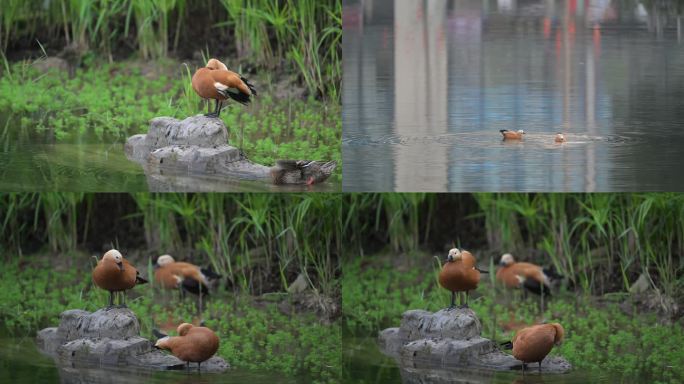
113,273
171,274
560,138
512,135
532,344
215,81
527,276
193,344
459,274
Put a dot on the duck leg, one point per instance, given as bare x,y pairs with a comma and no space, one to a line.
540,367
453,300
123,300
200,302
466,300
214,114
218,108
523,369
111,300
187,365
198,366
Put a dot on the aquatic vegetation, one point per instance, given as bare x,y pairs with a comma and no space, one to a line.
254,335
113,101
599,335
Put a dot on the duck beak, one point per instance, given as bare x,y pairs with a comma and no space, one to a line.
121,267
501,263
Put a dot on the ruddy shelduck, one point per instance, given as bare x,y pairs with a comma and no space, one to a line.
113,273
527,276
171,274
533,344
459,274
193,344
512,135
560,138
215,81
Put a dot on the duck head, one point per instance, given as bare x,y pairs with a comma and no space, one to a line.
454,255
215,64
114,256
165,260
506,260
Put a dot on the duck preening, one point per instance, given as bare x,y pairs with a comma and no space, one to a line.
113,273
193,344
512,135
527,276
215,81
172,274
459,274
301,171
533,344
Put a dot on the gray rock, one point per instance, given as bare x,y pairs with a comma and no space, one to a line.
109,338
450,339
136,149
196,130
115,323
198,145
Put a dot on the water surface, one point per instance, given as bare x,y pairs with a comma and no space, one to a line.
429,84
21,362
36,161
364,363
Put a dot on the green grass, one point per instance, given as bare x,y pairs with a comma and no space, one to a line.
377,289
34,293
114,101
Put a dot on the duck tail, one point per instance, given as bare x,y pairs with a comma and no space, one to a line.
240,97
158,334
503,130
209,273
552,274
249,85
140,280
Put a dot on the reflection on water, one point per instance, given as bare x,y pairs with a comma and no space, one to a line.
21,362
429,84
364,363
36,163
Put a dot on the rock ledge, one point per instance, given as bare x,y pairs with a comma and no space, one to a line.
109,337
198,145
451,339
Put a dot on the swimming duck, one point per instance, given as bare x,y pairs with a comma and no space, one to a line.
512,135
459,274
533,344
193,344
115,274
559,138
215,81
